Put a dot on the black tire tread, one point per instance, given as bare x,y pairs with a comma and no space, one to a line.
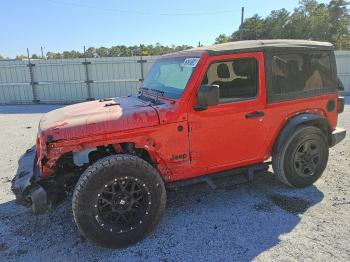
278,157
90,174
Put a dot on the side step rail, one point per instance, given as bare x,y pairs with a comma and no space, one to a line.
249,172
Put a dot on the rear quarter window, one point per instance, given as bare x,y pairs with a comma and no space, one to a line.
299,75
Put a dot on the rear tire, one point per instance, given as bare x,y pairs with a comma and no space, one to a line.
302,158
118,201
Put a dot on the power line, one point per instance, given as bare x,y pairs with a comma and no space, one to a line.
136,12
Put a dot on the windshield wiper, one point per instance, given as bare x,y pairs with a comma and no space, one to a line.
152,100
158,91
144,88
153,90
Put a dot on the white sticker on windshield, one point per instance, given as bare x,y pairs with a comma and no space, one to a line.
191,62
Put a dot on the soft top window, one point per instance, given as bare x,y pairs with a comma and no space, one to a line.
300,75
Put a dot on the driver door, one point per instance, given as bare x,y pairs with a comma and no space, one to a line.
231,133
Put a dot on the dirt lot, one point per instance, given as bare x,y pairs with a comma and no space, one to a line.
260,221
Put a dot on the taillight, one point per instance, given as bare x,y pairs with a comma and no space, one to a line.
340,104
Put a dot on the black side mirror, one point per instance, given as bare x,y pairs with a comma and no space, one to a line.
208,95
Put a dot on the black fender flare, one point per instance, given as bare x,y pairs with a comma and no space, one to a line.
302,119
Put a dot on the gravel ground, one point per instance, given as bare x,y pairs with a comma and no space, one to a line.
260,221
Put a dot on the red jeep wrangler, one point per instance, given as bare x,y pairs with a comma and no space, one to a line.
198,112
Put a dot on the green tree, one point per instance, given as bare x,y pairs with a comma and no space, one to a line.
120,50
340,21
35,56
307,6
222,38
319,24
125,51
181,48
275,24
102,52
1,57
297,26
253,28
72,54
310,20
90,52
52,55
21,57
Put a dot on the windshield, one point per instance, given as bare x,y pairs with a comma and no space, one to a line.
169,77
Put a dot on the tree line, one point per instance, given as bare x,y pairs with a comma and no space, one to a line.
310,20
114,51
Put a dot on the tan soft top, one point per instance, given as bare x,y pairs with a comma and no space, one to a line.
259,45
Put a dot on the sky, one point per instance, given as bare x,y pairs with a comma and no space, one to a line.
59,25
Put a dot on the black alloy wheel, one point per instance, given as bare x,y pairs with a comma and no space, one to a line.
122,205
118,201
307,158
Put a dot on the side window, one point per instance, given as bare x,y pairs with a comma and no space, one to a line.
300,75
321,67
237,79
287,73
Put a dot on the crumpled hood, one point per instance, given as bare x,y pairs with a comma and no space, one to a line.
97,117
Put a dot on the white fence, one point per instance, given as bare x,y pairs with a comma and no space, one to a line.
73,80
70,80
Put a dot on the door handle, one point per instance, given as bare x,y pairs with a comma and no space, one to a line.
255,114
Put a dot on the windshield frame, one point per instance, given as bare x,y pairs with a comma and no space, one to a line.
160,93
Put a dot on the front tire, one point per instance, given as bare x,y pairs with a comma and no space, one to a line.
118,201
302,158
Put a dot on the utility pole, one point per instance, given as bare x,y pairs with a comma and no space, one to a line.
241,27
42,53
28,56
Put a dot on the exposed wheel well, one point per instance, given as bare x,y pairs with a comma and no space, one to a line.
305,119
130,148
71,165
83,159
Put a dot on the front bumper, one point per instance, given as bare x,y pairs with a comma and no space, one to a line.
24,185
337,135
